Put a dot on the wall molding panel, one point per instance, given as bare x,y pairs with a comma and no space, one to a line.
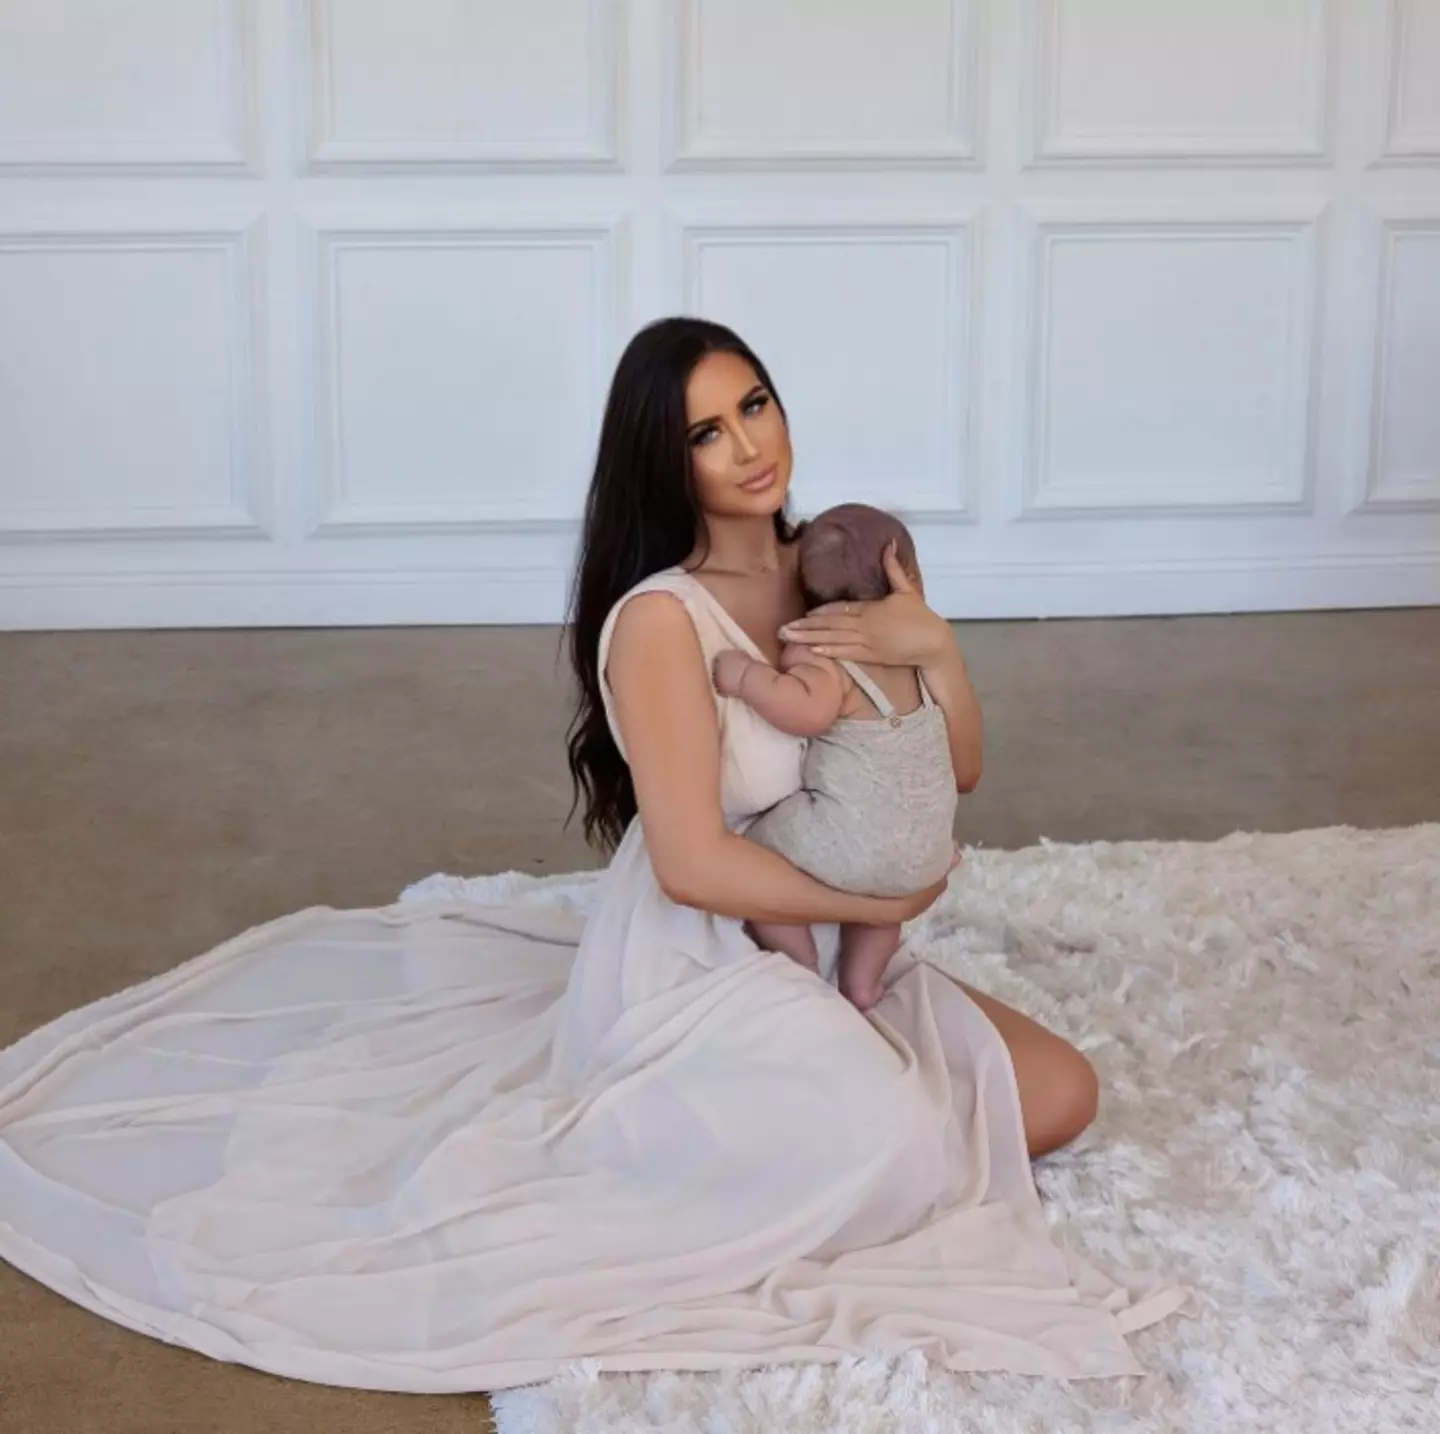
450,146
1416,488
1288,484
515,505
690,143
1406,138
1049,138
105,142
244,511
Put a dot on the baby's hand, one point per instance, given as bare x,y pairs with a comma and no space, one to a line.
730,669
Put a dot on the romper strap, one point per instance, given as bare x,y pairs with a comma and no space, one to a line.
863,682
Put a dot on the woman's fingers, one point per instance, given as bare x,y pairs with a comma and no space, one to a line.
845,652
824,635
827,639
834,614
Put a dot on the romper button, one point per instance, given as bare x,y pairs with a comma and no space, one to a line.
894,721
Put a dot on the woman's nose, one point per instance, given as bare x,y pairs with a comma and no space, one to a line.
745,450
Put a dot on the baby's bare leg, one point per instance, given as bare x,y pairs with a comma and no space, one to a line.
796,942
865,952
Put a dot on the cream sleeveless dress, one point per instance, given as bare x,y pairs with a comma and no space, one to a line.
439,1146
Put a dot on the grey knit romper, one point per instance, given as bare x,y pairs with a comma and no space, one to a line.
875,814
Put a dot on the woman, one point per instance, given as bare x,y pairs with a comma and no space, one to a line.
694,470
447,1146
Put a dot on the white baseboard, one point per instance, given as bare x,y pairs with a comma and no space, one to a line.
536,596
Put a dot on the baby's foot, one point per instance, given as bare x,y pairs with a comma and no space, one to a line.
861,994
865,952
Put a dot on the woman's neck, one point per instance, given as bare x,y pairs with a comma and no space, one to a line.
745,546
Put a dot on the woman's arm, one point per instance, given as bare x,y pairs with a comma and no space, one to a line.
666,713
949,685
900,631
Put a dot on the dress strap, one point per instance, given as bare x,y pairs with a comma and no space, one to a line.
925,696
863,682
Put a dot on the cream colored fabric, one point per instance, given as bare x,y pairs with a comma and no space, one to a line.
442,1146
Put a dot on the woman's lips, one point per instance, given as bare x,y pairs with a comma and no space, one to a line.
760,482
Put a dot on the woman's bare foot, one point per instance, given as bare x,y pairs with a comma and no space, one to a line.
865,952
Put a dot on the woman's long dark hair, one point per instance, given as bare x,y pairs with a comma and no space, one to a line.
641,517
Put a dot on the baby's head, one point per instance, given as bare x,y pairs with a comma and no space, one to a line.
842,554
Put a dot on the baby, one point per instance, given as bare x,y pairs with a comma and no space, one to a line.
876,811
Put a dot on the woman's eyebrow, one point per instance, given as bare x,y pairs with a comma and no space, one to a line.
715,418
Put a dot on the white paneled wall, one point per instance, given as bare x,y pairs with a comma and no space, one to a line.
307,311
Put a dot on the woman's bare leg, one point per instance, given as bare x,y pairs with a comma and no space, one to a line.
1059,1090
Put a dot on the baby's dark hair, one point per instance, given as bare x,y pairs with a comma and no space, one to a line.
842,552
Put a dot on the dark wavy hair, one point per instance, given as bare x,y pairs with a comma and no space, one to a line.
642,516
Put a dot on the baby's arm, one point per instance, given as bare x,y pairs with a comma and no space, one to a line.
803,698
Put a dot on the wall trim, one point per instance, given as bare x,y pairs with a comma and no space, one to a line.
535,596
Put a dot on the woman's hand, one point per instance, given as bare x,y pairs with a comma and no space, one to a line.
907,908
896,631
901,631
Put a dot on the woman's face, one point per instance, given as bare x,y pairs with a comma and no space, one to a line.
739,443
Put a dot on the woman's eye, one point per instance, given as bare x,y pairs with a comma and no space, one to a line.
754,405
703,435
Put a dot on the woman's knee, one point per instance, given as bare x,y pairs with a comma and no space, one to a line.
1059,1089
1066,1100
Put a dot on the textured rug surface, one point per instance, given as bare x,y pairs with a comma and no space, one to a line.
1264,1012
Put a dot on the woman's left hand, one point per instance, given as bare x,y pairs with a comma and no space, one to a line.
896,631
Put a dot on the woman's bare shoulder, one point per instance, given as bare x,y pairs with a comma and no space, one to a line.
658,614
653,629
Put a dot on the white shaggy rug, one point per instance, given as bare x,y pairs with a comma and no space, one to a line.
1264,1012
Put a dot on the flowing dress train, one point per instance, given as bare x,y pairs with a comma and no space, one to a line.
442,1146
